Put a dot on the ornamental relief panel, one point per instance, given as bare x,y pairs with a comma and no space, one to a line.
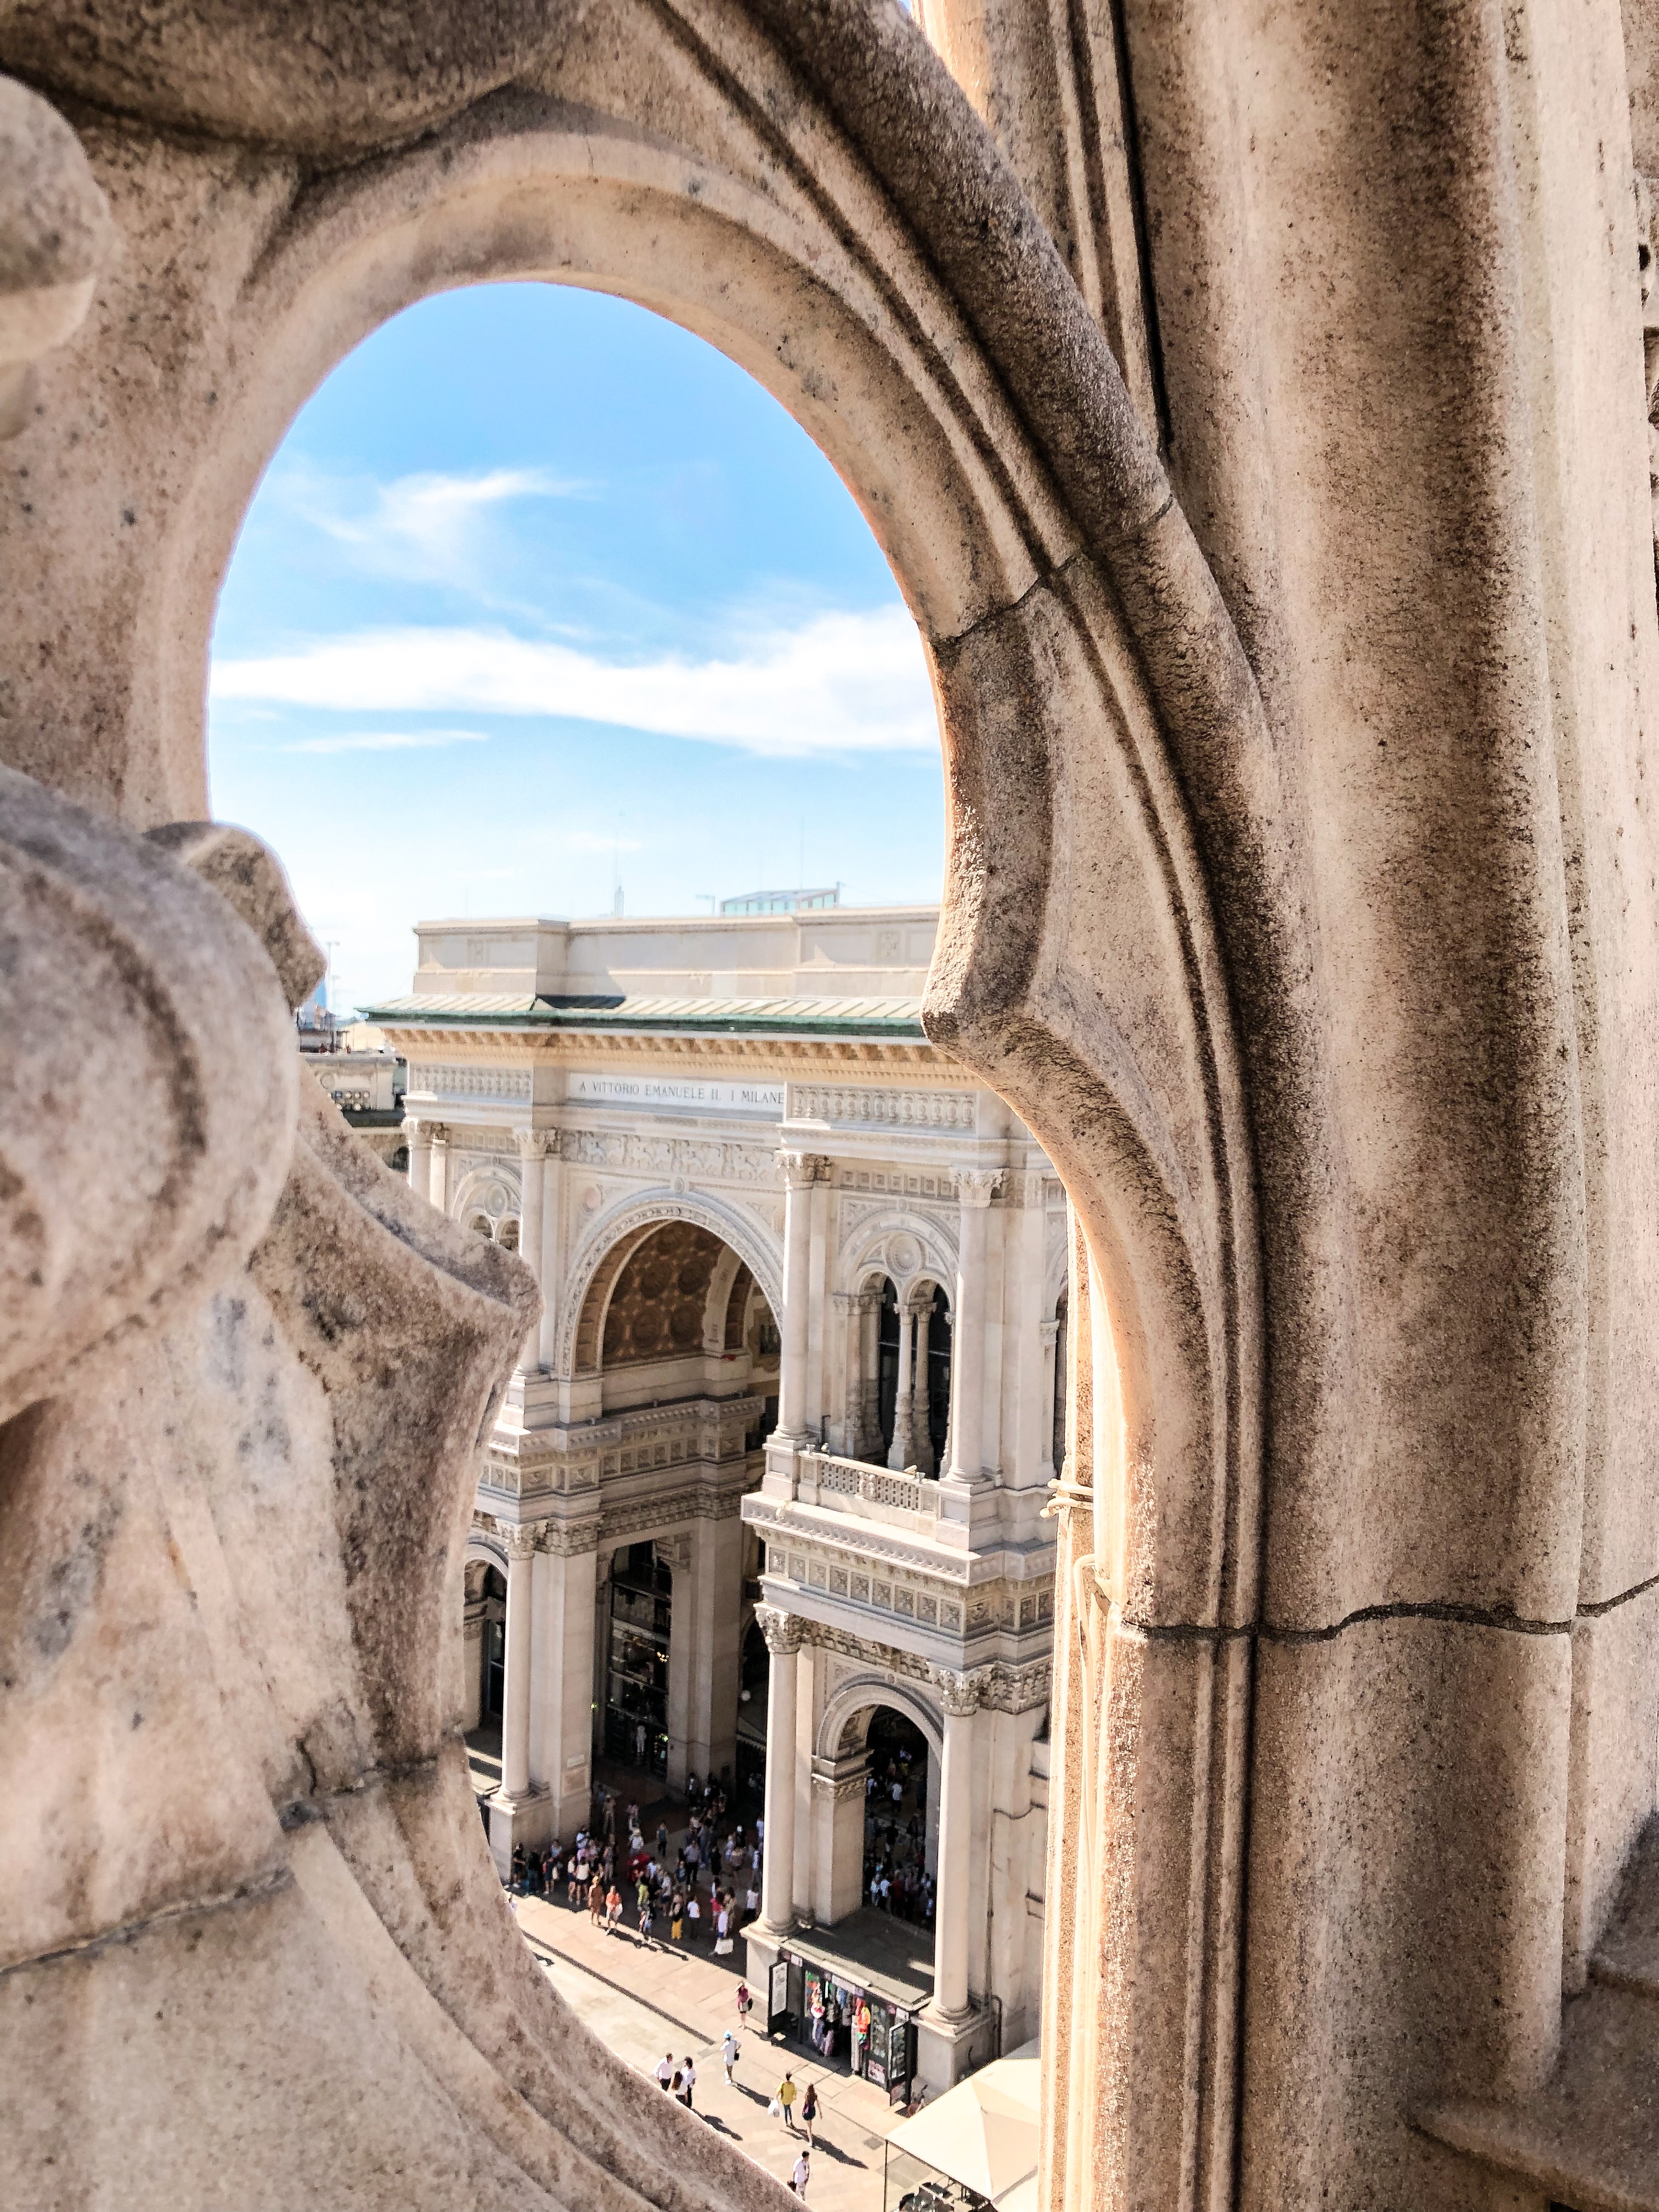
906,1598
874,1235
474,1146
627,1151
900,1109
444,1082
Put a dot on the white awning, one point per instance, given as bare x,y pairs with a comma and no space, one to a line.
983,2133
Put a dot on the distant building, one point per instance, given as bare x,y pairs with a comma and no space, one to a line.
782,901
359,1072
782,1443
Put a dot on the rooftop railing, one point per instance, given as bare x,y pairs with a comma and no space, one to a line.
824,1478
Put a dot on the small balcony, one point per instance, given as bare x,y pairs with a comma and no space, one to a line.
905,1500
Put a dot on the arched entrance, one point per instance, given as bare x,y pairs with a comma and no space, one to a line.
901,1825
634,1720
673,1346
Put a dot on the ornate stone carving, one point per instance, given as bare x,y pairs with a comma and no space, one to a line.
628,1151
784,1631
468,1083
977,1186
534,1144
1267,1065
521,1539
959,1694
902,1110
903,1255
800,1171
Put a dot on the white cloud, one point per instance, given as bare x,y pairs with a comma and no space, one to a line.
426,528
839,683
388,741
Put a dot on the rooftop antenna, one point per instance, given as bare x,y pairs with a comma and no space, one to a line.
712,902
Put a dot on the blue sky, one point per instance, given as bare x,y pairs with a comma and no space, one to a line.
540,593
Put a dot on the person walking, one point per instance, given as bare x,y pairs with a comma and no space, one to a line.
785,2095
595,1901
645,1921
809,2110
746,2005
728,2054
612,1910
688,2081
664,2070
800,2178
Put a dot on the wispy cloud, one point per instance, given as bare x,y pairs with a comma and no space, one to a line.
835,684
388,741
425,528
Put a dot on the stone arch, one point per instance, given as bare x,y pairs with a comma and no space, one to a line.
806,190
728,1292
657,1306
489,1549
865,1253
862,1694
612,1241
477,1184
1055,1273
1111,1033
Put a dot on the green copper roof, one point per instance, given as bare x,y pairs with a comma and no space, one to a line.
896,1019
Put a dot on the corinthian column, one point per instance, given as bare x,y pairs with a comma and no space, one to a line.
898,1452
533,1147
800,1171
516,1690
921,1440
782,1632
959,1696
869,1443
976,1188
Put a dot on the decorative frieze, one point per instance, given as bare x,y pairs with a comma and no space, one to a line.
907,1597
852,1104
897,1183
998,1685
703,1501
474,1146
627,1151
431,1080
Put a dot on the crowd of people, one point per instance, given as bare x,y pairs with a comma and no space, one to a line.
896,1876
704,1890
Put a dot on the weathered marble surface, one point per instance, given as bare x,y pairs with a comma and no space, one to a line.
1297,669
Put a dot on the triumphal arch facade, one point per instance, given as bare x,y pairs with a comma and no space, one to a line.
804,1286
1255,408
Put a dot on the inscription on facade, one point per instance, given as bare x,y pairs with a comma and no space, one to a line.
683,1092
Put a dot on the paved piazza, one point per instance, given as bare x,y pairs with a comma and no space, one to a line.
641,2001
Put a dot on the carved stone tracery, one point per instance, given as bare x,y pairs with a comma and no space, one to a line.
1311,936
